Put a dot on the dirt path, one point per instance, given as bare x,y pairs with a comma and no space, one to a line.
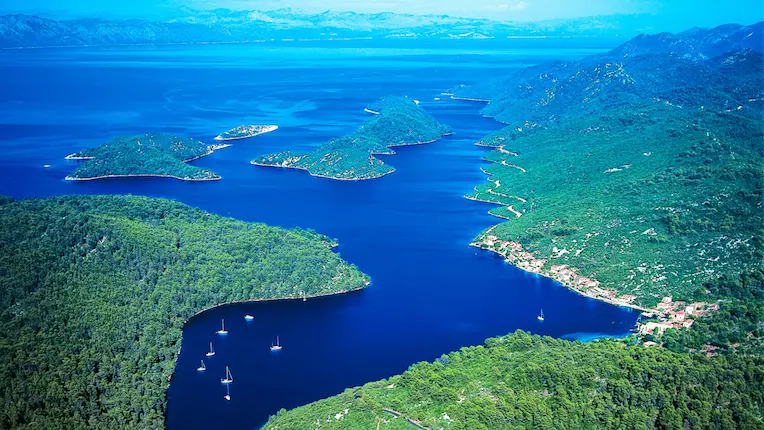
504,163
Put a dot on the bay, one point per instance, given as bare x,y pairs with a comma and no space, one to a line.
410,231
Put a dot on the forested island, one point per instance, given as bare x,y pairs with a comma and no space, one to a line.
156,154
633,177
95,291
398,121
246,131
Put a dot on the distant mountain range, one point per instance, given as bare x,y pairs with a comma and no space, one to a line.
685,69
224,25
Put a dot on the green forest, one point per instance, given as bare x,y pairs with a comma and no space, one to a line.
398,121
145,155
95,290
521,381
738,325
651,200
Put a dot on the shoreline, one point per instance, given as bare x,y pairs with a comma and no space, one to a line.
513,257
255,163
143,175
273,299
564,282
253,300
398,145
202,42
267,129
210,150
470,99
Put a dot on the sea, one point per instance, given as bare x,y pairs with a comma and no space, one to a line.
431,293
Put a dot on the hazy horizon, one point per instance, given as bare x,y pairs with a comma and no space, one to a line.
665,14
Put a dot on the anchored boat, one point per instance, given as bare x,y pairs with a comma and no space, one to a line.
222,328
228,377
277,346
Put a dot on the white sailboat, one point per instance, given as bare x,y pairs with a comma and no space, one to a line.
211,352
541,316
248,317
222,328
202,368
227,392
228,377
277,346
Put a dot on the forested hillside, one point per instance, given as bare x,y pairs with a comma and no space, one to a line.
397,121
643,202
154,154
738,325
94,293
521,381
634,175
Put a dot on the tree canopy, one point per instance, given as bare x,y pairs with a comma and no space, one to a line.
95,290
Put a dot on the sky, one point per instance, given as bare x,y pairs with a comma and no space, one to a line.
692,12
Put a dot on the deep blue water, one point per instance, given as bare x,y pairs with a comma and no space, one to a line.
431,292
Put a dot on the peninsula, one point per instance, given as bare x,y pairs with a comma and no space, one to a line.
246,131
156,154
397,121
521,381
95,291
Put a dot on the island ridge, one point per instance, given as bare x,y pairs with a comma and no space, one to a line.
397,121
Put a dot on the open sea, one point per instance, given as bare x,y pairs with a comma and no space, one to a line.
431,292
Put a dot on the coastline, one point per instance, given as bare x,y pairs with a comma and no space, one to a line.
396,145
475,199
267,129
523,260
202,42
254,300
255,163
210,150
273,299
144,175
470,99
518,256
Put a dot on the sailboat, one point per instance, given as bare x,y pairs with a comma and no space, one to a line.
277,346
211,352
248,317
228,377
541,316
202,368
222,328
227,392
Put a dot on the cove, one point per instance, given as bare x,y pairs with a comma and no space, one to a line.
431,292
